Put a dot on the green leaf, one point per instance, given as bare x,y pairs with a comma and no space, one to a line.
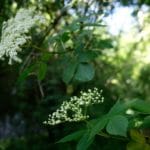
117,125
25,74
85,72
94,127
53,39
73,27
69,71
87,56
73,136
65,37
41,70
97,125
146,122
118,108
105,43
45,56
141,106
84,143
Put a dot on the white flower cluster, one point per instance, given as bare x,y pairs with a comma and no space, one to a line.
14,33
75,109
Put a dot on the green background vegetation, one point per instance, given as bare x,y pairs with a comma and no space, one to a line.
76,52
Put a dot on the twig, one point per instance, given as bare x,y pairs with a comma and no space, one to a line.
41,88
113,137
26,61
34,46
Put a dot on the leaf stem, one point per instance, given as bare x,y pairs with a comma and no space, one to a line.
113,137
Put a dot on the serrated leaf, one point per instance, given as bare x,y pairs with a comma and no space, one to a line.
85,72
69,71
73,136
117,125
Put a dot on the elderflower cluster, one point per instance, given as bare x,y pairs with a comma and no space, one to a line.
14,33
75,109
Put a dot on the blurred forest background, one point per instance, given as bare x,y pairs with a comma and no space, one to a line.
110,43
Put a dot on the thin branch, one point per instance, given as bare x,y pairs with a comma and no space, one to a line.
113,137
41,88
63,52
26,62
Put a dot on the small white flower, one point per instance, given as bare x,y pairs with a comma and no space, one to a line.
73,110
14,33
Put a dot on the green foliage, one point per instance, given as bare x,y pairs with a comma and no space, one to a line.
73,51
25,74
138,141
69,71
85,72
41,70
146,122
83,143
97,125
117,125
